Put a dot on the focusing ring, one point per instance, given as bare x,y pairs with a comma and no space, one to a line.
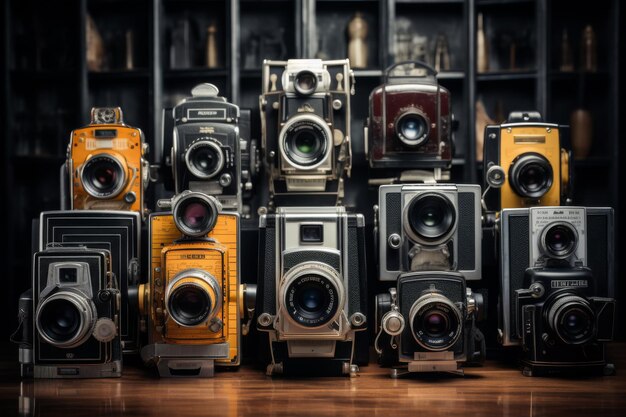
87,315
182,200
200,143
299,89
522,162
557,314
544,246
314,124
443,305
423,118
93,191
450,217
204,281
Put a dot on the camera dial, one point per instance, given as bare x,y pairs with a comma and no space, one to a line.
65,319
530,175
436,323
193,297
430,219
103,176
195,214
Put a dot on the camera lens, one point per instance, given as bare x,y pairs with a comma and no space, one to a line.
530,175
204,159
305,82
103,176
189,305
60,320
196,214
412,129
436,322
431,217
306,141
559,240
312,294
572,319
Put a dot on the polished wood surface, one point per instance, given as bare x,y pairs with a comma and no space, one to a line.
497,388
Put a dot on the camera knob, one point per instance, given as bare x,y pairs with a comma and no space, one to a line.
226,180
495,176
393,323
394,241
337,104
130,198
358,319
105,330
104,296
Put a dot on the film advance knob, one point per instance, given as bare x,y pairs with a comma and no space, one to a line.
495,176
104,331
393,323
394,241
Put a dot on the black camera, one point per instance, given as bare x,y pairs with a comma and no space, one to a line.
73,314
312,295
115,231
427,324
557,287
208,149
305,122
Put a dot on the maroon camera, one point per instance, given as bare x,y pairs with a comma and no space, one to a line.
410,122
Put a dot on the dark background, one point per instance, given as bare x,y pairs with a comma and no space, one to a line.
47,90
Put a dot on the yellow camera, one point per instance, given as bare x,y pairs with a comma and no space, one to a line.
193,302
525,163
106,165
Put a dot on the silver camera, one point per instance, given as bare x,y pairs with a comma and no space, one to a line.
313,298
558,233
429,227
305,122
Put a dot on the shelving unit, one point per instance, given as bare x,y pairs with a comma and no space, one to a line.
48,90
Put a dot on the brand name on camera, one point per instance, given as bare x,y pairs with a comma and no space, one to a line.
192,256
204,114
569,283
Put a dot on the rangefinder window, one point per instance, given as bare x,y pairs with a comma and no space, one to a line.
67,275
311,233
105,133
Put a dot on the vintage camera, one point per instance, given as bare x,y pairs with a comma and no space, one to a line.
525,163
70,317
557,287
193,302
409,126
312,297
209,152
429,227
427,324
305,123
105,164
115,231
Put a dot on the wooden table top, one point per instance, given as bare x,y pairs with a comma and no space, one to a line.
495,389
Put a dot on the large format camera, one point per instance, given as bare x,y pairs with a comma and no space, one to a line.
312,297
525,163
427,324
410,123
70,317
208,152
305,121
105,164
193,302
115,231
557,287
429,227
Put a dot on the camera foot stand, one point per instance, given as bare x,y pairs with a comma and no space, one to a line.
175,361
274,369
350,369
609,369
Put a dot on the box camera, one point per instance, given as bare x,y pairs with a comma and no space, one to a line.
193,302
312,296
557,287
305,123
115,231
427,324
429,227
70,318
105,164
409,125
207,151
525,163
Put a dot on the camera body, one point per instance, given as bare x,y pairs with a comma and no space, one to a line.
557,286
312,294
429,227
526,163
410,122
105,164
305,124
74,315
115,231
427,323
206,152
193,301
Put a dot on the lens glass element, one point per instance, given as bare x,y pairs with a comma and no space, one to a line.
305,82
195,216
60,320
306,142
560,240
205,159
311,300
531,175
435,323
189,305
103,176
412,129
431,216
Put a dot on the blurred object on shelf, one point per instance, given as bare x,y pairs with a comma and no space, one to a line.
581,125
95,46
357,43
419,48
482,49
130,50
212,60
180,45
403,39
272,45
482,120
589,50
442,53
567,60
499,116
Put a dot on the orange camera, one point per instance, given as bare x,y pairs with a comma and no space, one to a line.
106,165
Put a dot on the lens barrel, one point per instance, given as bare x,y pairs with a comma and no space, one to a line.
65,319
430,218
103,176
436,323
192,297
559,240
572,319
306,141
204,159
412,128
195,214
531,175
